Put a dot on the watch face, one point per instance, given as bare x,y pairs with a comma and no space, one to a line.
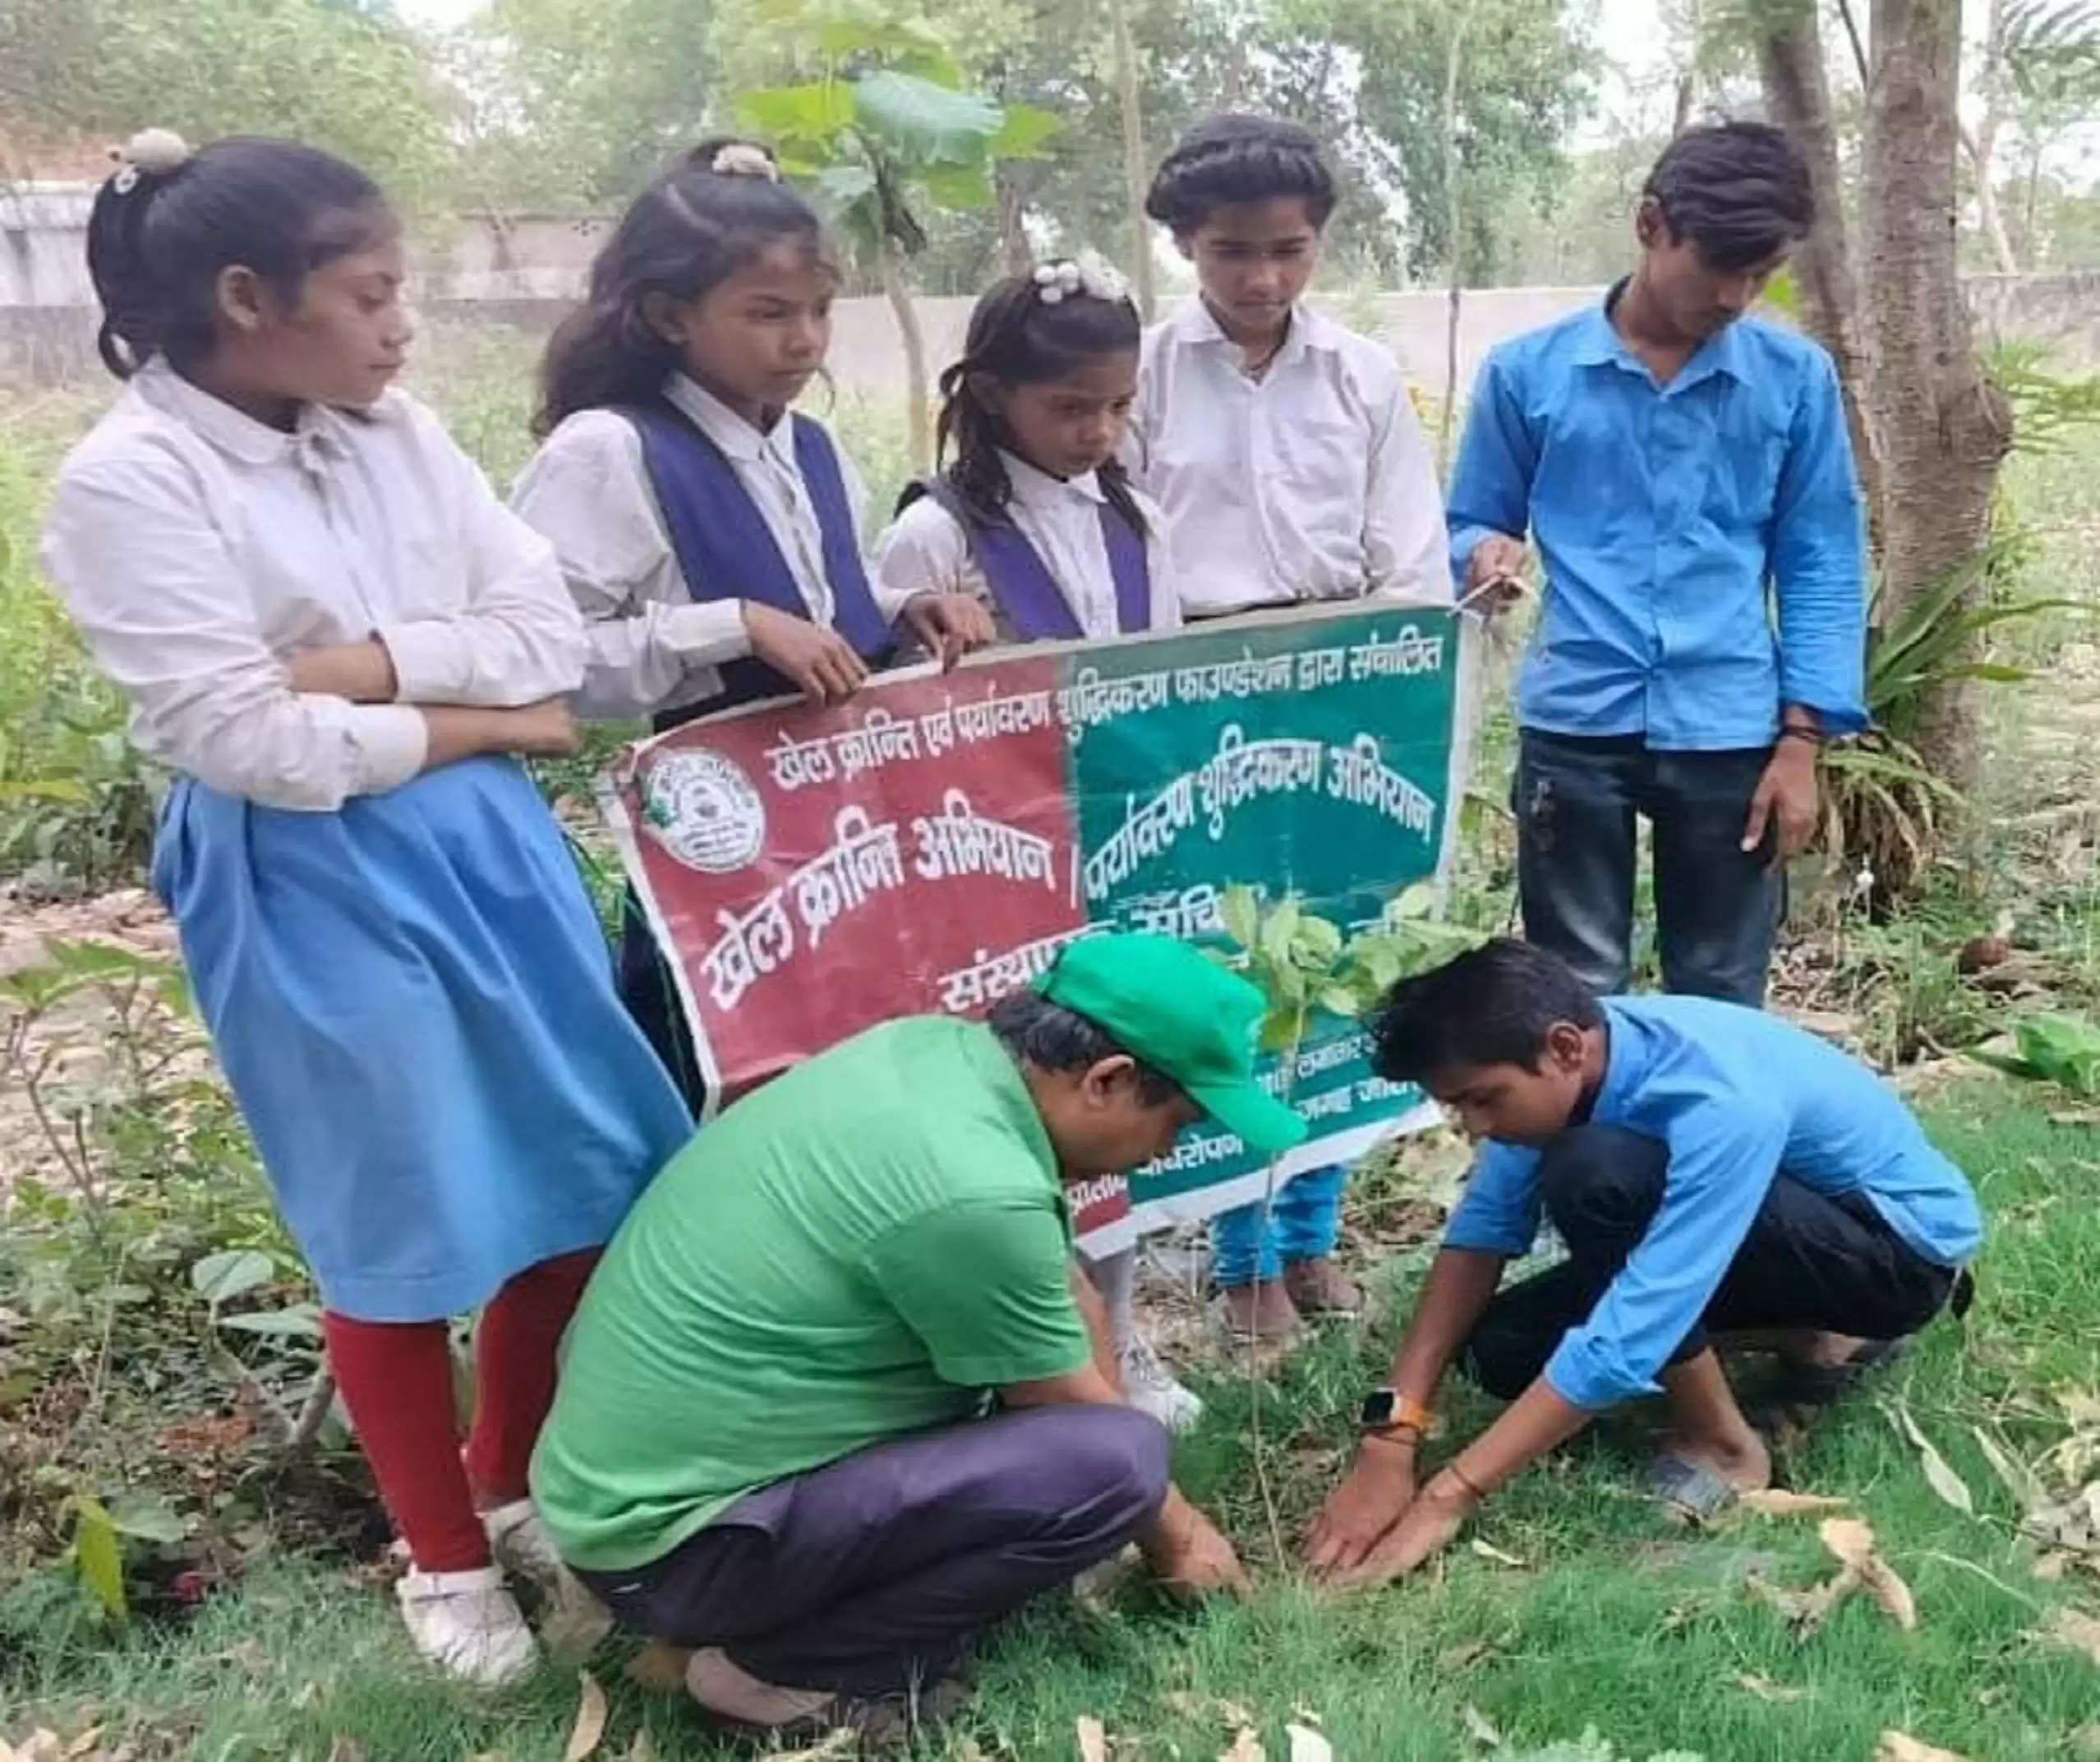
1378,1409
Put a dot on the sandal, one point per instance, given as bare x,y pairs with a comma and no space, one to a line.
1690,1488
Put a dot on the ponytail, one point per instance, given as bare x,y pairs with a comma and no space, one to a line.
167,221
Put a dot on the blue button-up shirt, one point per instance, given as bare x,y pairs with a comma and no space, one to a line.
1738,1097
1663,514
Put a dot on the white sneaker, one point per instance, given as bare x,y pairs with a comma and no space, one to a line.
573,1620
1150,1387
468,1625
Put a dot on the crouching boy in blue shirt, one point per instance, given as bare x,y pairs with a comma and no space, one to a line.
1710,1170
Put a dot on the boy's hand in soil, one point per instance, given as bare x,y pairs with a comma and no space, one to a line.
821,662
1374,1496
1437,1514
1188,1555
949,625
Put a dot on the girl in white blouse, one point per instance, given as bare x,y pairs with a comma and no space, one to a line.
1033,516
708,532
1288,460
340,641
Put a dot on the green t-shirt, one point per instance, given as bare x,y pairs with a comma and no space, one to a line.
857,1250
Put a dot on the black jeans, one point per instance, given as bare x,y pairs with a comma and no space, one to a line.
1808,1261
870,1575
649,992
1717,908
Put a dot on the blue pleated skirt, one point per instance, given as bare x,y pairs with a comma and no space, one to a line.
414,1003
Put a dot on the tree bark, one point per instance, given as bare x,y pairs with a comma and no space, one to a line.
1983,143
1016,256
1943,427
1798,96
1134,170
1454,215
918,415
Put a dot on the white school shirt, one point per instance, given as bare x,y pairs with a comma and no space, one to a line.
1312,483
654,648
927,551
197,549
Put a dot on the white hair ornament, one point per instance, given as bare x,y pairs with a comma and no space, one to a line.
744,158
1089,273
152,152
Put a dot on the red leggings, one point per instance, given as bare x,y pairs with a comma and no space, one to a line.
396,1379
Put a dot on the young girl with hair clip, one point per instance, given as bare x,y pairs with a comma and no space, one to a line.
342,643
1033,516
709,534
1291,469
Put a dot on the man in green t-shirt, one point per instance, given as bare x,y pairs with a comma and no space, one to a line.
775,1439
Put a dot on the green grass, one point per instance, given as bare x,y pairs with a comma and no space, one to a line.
1619,1621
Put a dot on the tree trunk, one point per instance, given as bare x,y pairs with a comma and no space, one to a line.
1135,172
1016,256
1454,217
1983,144
1943,427
1797,89
917,414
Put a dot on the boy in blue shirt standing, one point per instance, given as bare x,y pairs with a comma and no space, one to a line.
1686,476
1711,1169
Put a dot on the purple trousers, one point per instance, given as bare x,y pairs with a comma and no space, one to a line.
872,1574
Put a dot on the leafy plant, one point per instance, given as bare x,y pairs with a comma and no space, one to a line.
2064,1050
1305,964
887,129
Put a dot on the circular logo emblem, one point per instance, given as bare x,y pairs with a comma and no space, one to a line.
703,811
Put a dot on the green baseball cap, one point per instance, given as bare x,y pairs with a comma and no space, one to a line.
1188,1017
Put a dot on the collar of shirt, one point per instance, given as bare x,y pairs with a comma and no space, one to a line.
1197,325
736,438
1599,344
321,432
988,1055
1627,1059
1037,488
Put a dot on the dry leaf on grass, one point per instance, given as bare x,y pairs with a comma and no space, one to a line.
1939,1472
1776,1501
1852,1541
2085,1742
1455,1658
660,1668
40,1746
833,1744
1307,1745
2052,1565
83,1744
2019,1479
1093,1739
1480,1728
1246,1747
1489,1551
2075,1628
1900,1747
589,1731
1766,1690
643,1749
346,1750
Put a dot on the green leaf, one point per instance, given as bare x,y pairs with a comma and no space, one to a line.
1340,999
1024,133
300,1322
1417,901
99,1557
146,1518
1242,914
218,1278
1278,929
808,115
839,188
1283,1029
924,123
1315,945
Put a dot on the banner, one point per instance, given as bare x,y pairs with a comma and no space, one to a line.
932,843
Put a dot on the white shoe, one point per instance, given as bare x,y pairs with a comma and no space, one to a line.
468,1625
573,1620
1150,1387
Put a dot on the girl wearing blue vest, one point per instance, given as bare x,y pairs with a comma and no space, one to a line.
708,533
1033,517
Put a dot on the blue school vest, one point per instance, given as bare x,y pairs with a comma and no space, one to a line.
726,552
1022,587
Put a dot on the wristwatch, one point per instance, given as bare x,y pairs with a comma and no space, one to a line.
1388,1409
